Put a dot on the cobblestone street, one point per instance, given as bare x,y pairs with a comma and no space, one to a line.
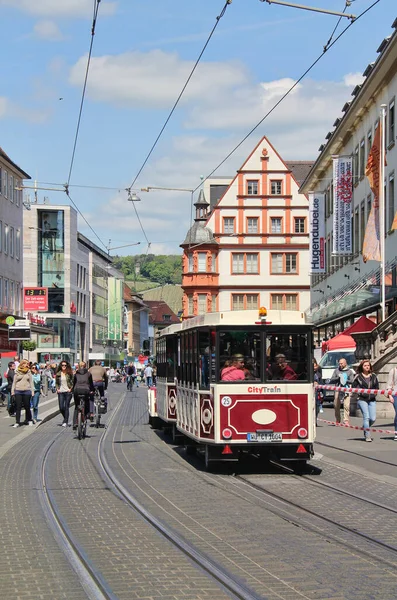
251,524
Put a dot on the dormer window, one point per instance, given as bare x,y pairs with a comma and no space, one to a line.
166,317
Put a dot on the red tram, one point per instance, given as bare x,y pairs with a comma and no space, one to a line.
234,382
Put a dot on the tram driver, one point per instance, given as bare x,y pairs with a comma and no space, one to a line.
282,370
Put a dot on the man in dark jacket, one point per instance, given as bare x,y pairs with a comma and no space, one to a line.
82,386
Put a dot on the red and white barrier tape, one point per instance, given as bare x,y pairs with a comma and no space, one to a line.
357,427
337,388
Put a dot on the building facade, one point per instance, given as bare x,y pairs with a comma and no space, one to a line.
250,249
84,305
350,287
11,255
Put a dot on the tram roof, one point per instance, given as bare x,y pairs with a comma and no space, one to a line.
239,317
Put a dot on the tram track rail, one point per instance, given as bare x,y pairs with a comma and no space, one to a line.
94,584
231,585
346,450
286,514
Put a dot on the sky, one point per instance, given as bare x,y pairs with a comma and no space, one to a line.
143,52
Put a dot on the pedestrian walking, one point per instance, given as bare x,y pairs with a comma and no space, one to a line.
10,379
343,376
148,373
366,379
23,390
64,385
392,386
34,405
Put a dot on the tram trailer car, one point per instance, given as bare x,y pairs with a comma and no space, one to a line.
152,406
166,382
244,383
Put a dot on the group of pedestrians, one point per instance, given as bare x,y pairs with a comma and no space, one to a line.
362,378
146,374
25,382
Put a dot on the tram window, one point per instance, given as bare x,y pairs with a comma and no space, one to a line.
204,354
169,357
239,355
286,357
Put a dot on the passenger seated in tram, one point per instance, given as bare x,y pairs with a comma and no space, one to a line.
282,370
233,369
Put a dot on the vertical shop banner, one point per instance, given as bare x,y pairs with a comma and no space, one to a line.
115,308
317,232
371,244
343,197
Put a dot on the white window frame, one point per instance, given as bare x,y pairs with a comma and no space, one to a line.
252,224
291,257
237,301
275,226
6,233
201,262
12,242
237,263
252,187
300,221
227,221
252,262
277,263
276,187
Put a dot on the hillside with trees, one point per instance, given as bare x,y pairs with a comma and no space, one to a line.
150,268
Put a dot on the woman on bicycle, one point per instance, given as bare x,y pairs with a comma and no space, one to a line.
83,385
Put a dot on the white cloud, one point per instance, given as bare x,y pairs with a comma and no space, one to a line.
353,79
154,79
48,30
60,8
13,110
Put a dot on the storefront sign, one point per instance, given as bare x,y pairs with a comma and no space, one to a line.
317,232
343,193
35,299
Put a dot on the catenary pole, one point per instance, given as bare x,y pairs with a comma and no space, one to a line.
382,219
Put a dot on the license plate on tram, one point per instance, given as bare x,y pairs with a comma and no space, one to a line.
264,437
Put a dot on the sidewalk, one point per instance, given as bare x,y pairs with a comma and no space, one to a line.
350,450
48,408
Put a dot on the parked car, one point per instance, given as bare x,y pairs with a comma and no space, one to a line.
329,362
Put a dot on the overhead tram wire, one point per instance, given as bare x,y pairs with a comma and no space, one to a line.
218,18
93,27
66,185
347,4
293,86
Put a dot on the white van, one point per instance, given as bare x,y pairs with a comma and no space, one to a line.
330,361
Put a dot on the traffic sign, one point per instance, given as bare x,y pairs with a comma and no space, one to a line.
10,320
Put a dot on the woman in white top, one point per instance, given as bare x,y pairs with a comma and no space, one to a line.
64,384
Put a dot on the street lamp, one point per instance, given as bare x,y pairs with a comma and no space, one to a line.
132,197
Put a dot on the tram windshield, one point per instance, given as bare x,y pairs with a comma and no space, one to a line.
253,356
287,357
240,355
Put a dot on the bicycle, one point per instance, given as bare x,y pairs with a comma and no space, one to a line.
81,418
97,408
130,383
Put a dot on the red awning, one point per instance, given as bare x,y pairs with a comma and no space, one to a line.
341,341
362,325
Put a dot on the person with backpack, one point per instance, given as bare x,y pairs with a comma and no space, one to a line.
392,387
82,385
